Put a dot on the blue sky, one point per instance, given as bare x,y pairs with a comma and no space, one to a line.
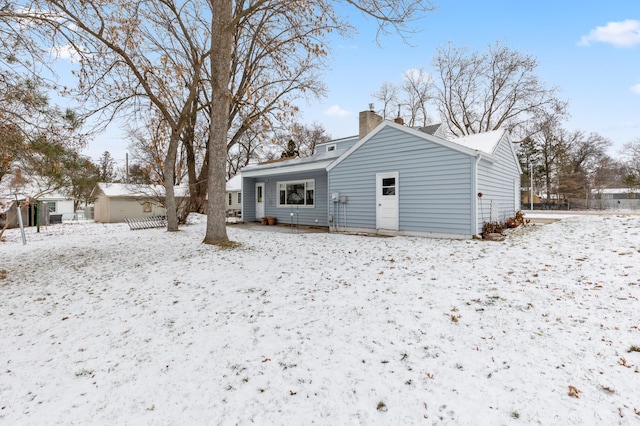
590,49
581,47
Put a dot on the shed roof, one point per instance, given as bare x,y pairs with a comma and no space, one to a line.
235,183
135,190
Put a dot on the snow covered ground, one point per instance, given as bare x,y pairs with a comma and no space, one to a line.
103,325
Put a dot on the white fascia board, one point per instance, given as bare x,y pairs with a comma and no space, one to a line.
286,169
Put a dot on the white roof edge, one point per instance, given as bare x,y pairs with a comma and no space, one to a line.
125,190
319,165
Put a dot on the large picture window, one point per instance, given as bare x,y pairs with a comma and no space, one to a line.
296,193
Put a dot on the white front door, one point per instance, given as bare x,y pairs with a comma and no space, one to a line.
259,200
387,201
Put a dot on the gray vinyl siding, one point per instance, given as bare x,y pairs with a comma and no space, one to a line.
342,145
249,200
498,182
302,215
435,183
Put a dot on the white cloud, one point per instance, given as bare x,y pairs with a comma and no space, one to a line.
636,89
65,52
336,111
620,34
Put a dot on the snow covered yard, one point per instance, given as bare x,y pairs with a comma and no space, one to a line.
103,325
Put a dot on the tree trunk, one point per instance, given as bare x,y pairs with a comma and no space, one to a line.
187,142
8,220
169,178
221,40
201,184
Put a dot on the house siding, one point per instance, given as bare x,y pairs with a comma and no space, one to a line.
498,181
316,215
435,184
114,210
234,206
101,211
249,199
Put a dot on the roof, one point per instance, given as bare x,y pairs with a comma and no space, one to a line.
234,184
479,144
615,190
316,162
34,187
485,142
135,190
418,133
432,129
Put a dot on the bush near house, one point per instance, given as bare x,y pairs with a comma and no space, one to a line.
489,228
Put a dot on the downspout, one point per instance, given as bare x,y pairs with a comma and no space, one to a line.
242,186
474,196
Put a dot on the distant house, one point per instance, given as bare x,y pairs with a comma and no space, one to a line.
57,203
234,195
51,205
116,201
391,179
616,198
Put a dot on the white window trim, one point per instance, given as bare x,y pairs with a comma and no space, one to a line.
300,206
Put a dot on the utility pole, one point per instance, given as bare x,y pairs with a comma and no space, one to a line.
531,185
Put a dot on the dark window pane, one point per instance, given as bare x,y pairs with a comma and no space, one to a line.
389,182
295,193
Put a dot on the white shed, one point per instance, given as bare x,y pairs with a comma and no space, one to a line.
116,201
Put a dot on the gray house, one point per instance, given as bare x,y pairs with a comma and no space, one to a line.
391,179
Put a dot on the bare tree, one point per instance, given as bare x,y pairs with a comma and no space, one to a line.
416,86
389,96
12,143
304,136
631,156
409,101
247,148
583,154
483,91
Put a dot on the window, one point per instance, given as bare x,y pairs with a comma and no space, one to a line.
239,197
51,205
296,193
146,207
259,193
331,147
230,199
389,186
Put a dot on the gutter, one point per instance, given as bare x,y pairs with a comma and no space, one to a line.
475,197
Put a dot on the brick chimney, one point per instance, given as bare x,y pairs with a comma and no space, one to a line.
369,120
399,120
